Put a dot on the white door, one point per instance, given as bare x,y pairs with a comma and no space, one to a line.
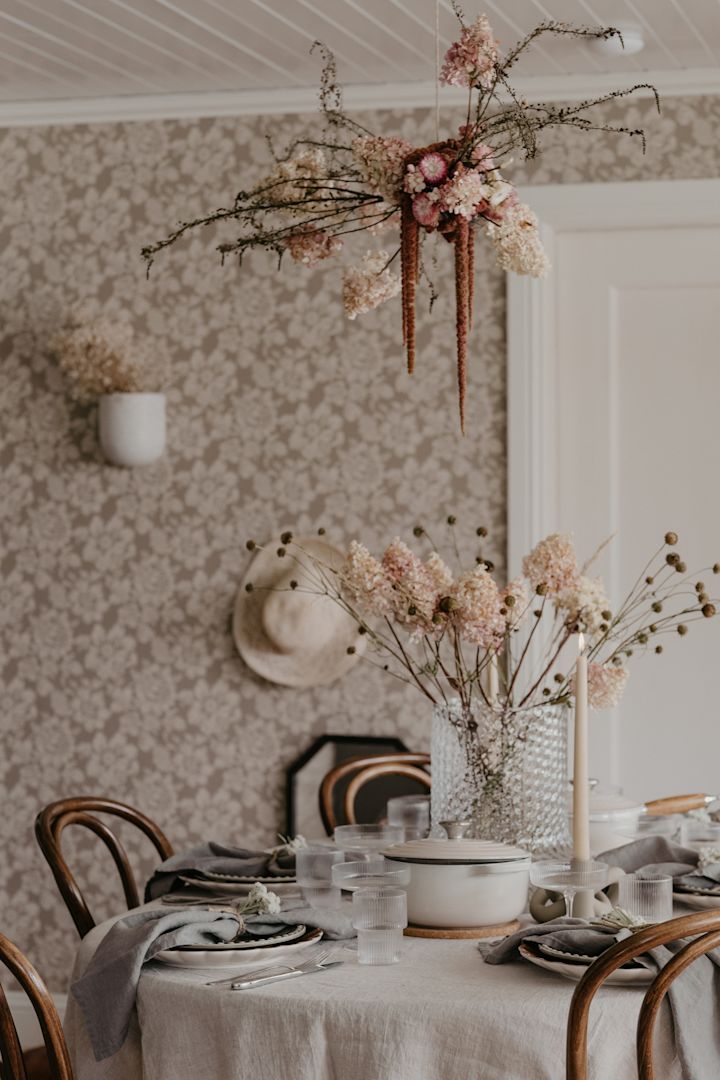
614,399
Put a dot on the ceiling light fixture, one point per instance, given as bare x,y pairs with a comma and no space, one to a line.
632,40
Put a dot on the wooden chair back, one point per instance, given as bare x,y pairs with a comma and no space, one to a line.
12,1063
702,928
362,770
49,826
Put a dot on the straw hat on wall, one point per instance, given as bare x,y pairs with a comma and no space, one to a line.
288,633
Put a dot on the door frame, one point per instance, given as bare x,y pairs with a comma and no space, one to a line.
532,314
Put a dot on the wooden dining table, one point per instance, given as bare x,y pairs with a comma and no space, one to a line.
441,1013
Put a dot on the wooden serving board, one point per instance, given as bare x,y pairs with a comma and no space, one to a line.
468,932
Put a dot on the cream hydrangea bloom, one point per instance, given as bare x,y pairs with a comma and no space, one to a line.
606,685
584,604
367,286
476,612
552,563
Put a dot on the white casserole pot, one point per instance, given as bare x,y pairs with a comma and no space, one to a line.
461,882
616,820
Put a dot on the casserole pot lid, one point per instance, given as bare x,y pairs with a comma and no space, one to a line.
456,851
607,807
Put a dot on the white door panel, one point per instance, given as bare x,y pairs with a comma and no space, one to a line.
623,417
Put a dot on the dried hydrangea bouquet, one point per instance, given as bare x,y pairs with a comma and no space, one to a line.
345,179
497,662
102,361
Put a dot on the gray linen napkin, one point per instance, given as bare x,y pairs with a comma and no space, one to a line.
694,996
658,855
218,859
336,923
106,991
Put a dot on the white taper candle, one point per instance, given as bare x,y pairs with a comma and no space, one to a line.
581,780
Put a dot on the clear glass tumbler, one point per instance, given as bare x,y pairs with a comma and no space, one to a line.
412,813
374,871
313,871
379,916
649,896
359,839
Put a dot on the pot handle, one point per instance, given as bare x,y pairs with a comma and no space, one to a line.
678,804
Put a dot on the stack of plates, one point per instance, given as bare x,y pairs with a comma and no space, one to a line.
697,896
246,952
573,966
234,885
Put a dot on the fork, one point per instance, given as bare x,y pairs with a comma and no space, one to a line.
317,957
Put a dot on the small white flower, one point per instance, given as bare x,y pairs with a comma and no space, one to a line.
261,899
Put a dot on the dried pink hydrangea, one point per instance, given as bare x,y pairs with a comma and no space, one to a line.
367,286
552,563
464,192
515,599
294,180
382,163
517,242
584,603
364,582
472,60
416,592
440,573
100,356
414,181
606,685
476,609
312,246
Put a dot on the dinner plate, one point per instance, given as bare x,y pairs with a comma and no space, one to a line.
571,958
240,886
230,955
242,879
697,901
284,936
698,890
621,977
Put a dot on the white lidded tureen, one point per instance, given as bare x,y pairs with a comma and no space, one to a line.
458,882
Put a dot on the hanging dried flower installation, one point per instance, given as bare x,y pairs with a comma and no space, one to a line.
347,180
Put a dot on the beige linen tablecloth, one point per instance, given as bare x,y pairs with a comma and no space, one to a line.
440,1014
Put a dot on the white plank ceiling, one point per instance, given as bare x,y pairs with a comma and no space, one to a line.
84,49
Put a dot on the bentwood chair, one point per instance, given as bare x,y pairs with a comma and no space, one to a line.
702,928
13,1065
49,826
362,770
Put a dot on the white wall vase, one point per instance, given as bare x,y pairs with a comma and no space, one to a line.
132,428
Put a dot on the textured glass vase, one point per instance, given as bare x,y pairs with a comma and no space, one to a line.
504,772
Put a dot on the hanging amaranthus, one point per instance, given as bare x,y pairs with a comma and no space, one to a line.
347,180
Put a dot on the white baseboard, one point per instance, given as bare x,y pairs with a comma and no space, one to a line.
26,1023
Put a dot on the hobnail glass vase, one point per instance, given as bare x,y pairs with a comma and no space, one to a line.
504,771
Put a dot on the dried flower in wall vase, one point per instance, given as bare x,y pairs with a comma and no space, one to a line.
344,179
103,363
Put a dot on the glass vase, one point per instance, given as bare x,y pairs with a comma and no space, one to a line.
504,771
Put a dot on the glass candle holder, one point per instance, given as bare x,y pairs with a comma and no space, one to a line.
379,916
313,871
649,896
412,814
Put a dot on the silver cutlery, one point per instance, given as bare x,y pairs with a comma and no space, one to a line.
319,955
307,968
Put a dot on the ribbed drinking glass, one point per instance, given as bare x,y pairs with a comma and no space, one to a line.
379,916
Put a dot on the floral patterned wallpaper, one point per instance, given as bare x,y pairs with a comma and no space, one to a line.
118,671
